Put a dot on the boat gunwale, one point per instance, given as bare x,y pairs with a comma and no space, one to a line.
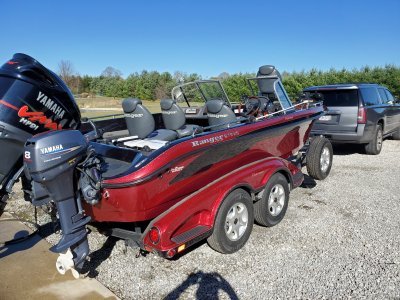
128,178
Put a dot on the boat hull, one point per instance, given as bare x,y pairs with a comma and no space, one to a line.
188,165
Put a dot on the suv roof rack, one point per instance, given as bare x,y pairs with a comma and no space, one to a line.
353,85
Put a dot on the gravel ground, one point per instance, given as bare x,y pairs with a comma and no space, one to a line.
338,239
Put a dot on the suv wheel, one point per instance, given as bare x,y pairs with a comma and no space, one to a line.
374,147
396,134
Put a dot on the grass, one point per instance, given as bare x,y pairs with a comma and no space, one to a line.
105,106
96,102
99,106
99,113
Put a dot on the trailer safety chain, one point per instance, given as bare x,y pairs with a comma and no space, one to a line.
140,253
24,238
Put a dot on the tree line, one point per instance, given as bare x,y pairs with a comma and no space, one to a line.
152,85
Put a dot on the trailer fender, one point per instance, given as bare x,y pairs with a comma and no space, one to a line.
264,170
192,218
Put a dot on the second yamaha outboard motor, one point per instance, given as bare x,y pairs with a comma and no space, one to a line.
32,100
51,160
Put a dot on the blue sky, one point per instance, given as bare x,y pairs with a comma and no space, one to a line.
206,37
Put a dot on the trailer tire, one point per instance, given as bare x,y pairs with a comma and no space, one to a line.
233,223
319,158
271,208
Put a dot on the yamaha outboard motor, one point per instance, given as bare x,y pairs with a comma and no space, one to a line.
32,100
52,160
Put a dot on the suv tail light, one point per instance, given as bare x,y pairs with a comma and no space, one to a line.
362,115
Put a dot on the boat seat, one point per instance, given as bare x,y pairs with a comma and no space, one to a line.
219,114
140,122
174,118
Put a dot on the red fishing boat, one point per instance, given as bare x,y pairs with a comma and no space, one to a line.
164,182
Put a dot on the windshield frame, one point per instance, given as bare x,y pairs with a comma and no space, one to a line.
198,84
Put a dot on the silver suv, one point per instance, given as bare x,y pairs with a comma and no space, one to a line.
357,113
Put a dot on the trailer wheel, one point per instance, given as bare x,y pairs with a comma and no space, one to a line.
233,223
319,158
272,207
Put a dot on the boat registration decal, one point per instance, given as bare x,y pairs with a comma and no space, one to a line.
177,169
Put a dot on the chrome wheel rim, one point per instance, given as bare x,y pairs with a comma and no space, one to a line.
325,159
276,200
379,140
236,221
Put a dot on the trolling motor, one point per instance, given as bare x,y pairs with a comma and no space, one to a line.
51,160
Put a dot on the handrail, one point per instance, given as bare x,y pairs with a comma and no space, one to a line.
307,102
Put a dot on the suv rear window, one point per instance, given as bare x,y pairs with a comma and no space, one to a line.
339,97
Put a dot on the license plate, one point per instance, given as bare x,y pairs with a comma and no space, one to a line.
325,118
191,111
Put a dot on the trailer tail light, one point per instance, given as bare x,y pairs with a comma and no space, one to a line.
362,115
154,235
171,253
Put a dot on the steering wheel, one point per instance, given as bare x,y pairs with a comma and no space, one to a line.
252,105
257,105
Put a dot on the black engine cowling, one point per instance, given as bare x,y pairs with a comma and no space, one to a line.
32,100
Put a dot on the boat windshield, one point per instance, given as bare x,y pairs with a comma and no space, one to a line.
272,87
192,93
